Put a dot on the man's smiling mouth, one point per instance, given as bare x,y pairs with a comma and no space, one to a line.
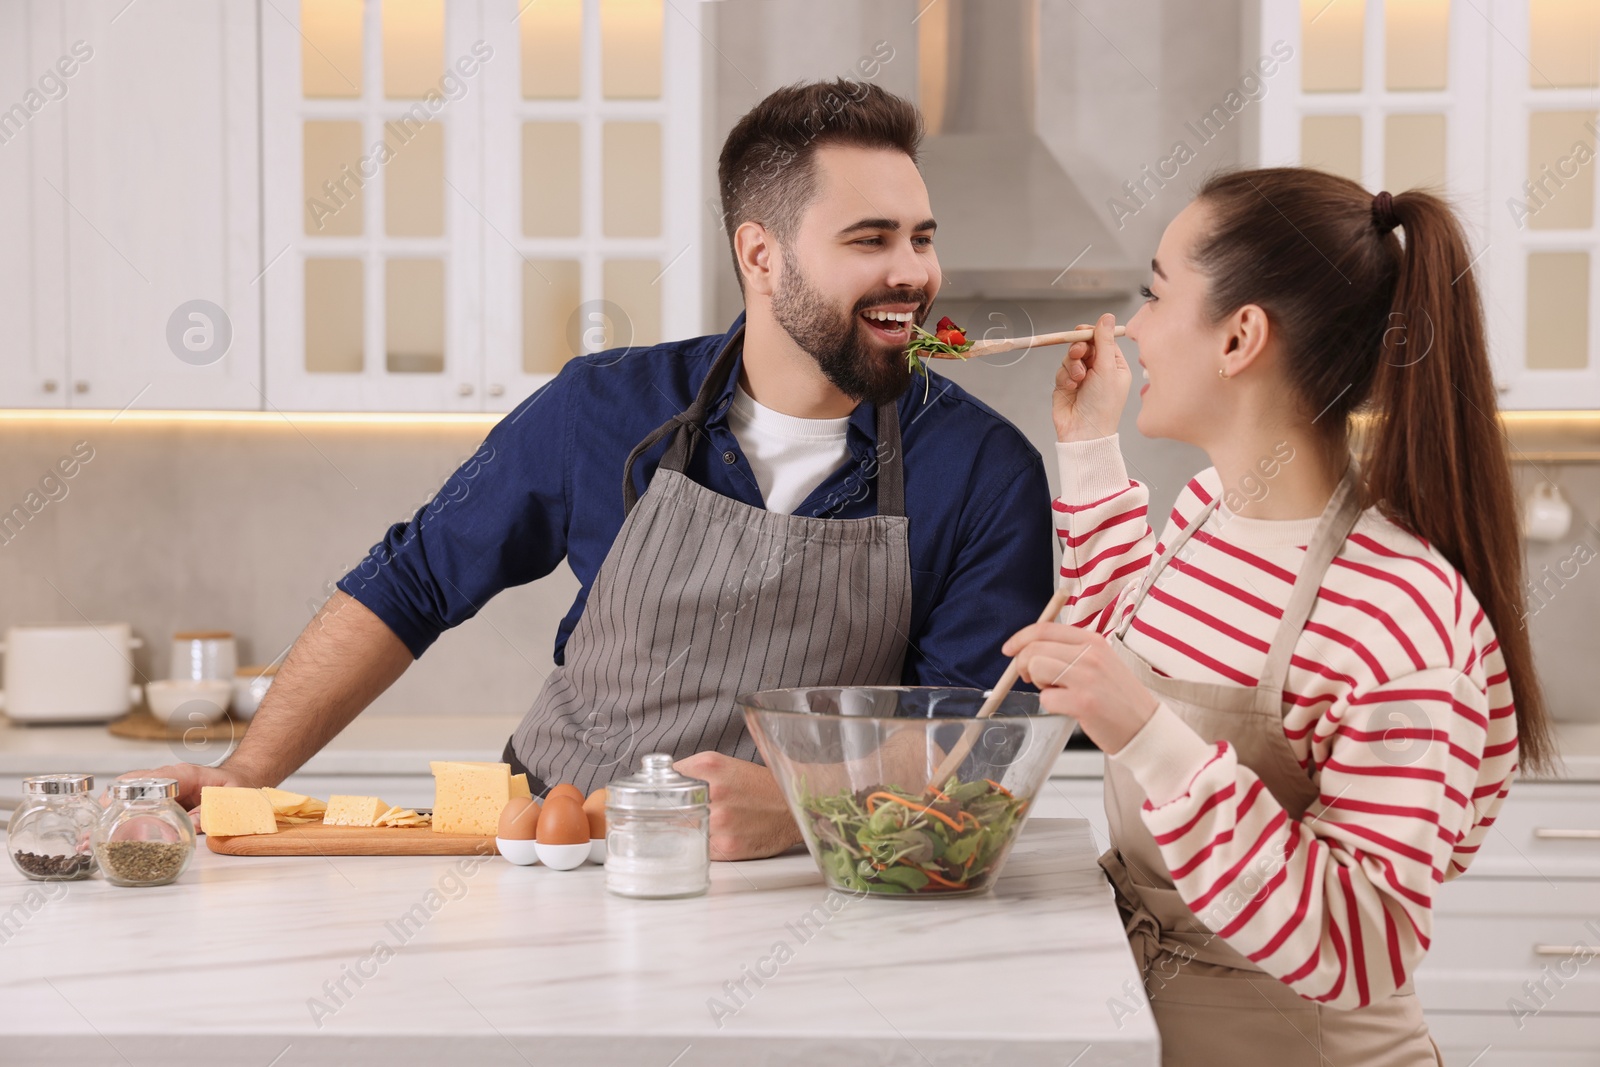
891,324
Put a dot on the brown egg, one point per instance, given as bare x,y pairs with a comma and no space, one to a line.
564,790
519,819
595,808
562,822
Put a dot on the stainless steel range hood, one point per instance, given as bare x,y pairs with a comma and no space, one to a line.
1013,224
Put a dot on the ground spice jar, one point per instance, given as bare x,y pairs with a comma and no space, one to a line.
658,825
143,837
49,836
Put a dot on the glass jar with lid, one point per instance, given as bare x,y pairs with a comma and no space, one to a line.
50,835
143,837
658,832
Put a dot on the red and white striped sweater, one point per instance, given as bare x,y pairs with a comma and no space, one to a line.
1397,698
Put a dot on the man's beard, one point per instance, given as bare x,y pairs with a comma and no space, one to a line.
857,366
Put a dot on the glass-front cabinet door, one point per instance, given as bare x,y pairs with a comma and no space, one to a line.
453,191
1490,102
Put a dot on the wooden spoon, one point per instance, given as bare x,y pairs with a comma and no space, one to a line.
997,695
1011,344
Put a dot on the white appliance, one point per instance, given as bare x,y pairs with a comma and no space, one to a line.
69,673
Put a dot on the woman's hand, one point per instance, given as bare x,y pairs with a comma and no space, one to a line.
1091,386
1078,675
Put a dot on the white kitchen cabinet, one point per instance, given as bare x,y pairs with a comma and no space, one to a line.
139,193
1476,100
33,369
448,222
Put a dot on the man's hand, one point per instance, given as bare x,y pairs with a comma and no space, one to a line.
749,817
191,776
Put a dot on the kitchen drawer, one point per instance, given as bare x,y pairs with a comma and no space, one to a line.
1508,945
1548,1040
1544,830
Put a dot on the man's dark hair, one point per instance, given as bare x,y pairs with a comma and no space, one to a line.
767,173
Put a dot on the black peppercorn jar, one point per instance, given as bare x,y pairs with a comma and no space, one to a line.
143,837
49,836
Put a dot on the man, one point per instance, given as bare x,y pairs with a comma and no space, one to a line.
772,507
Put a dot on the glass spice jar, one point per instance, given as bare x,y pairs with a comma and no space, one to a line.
49,836
143,837
658,832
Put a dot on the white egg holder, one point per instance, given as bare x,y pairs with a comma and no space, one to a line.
558,857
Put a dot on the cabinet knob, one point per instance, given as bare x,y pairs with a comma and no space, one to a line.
80,386
51,385
465,388
496,389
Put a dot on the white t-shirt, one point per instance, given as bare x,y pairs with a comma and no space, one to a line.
790,456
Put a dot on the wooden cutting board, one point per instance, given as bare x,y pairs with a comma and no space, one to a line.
317,839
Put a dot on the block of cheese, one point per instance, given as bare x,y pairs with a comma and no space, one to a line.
468,797
519,786
353,811
227,810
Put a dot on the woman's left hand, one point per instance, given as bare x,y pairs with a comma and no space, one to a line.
1078,675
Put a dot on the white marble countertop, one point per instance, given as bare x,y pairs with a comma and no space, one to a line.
241,962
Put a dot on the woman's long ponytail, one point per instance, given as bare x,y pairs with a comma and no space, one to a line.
1437,461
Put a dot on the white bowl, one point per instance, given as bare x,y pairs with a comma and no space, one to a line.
180,702
562,857
597,850
522,853
247,693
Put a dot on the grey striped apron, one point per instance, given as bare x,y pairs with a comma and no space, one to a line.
702,598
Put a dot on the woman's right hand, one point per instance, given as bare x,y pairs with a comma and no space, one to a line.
1091,386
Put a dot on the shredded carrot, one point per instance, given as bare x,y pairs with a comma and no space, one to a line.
976,825
998,786
943,881
923,809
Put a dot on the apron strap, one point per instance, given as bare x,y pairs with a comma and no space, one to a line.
1338,519
687,426
1161,564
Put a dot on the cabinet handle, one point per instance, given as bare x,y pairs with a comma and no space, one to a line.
1562,950
465,388
497,389
50,385
80,386
1548,833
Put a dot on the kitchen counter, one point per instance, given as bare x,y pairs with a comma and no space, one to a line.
412,960
402,745
372,744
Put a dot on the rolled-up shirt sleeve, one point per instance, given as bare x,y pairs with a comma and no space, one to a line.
498,521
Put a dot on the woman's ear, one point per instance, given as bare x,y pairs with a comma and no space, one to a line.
1245,340
753,249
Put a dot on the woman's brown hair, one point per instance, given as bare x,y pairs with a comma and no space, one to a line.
1392,330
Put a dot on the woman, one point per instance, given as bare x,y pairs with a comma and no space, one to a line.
1304,688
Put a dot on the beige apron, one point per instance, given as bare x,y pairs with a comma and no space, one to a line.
1213,1006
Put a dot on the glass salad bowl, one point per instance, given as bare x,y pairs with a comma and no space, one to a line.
856,765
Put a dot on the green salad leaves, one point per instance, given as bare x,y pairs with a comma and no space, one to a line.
947,341
884,839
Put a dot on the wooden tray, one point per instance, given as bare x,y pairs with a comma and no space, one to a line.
317,839
140,725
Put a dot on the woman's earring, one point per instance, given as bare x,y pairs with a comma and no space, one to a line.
1222,372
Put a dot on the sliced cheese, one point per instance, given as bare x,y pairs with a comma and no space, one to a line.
353,811
468,797
296,804
519,786
226,811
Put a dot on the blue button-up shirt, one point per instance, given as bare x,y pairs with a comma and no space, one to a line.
547,484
